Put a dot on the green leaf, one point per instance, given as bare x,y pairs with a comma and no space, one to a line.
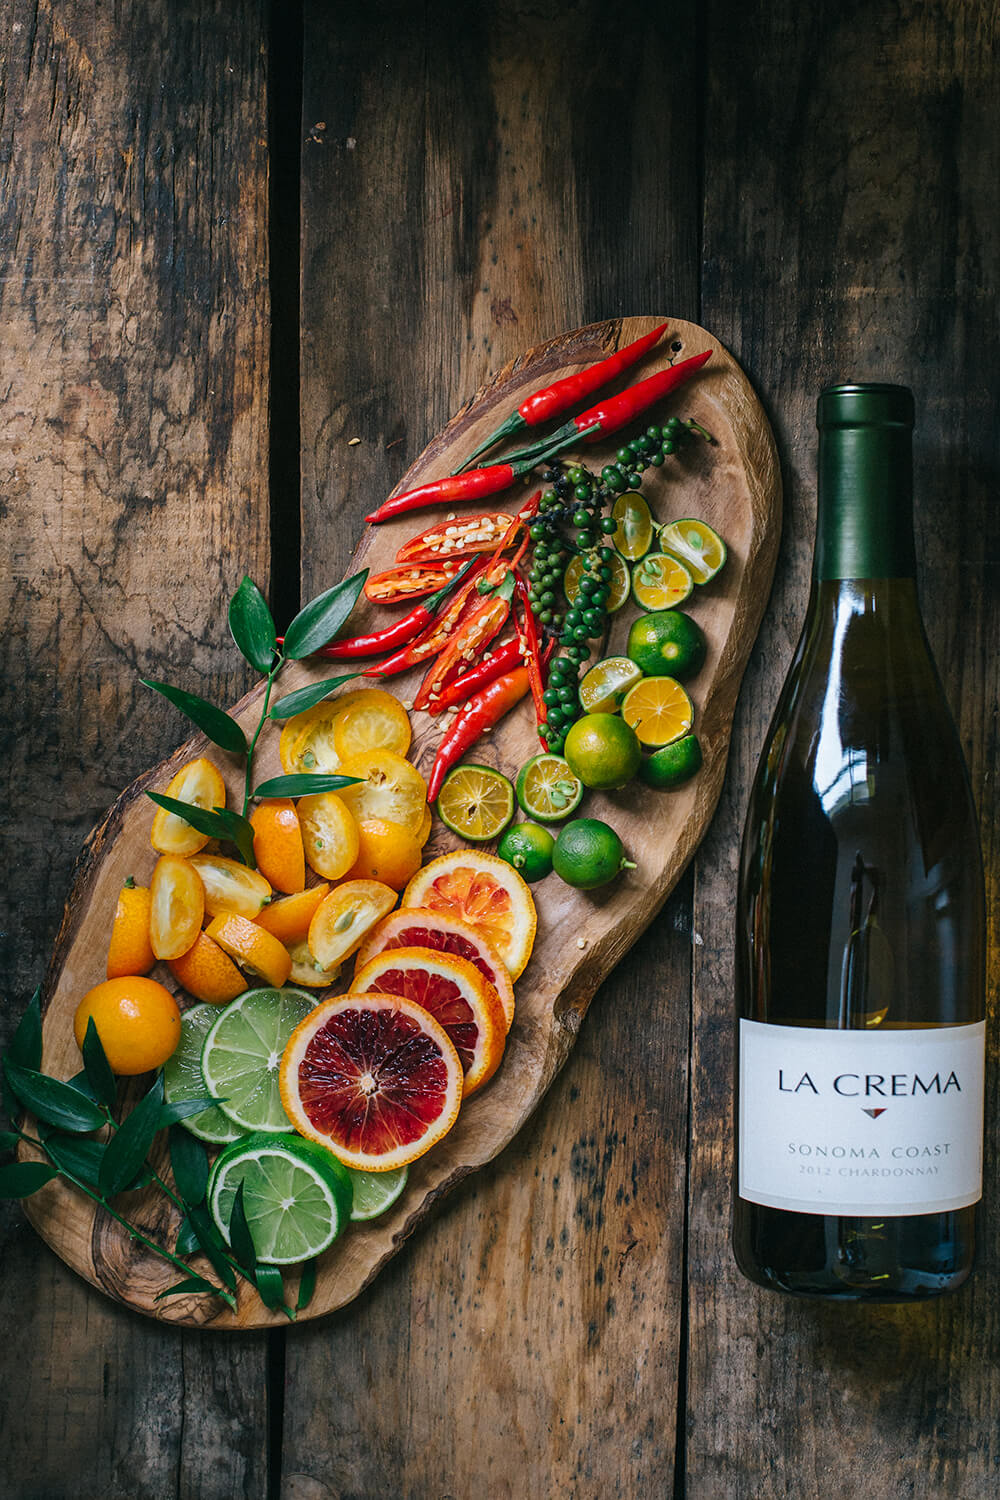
271,1289
129,1146
182,1108
240,833
26,1046
82,1082
192,1283
22,1178
8,1139
307,1284
303,785
187,1240
97,1068
252,626
217,822
189,1164
211,1245
79,1157
240,1238
56,1103
220,727
307,697
322,617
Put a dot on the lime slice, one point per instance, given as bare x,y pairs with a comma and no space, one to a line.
296,1196
242,1055
547,789
476,802
634,536
700,549
659,710
182,1078
607,682
660,581
375,1192
619,581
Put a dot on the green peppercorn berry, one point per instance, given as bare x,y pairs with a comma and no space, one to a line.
573,616
668,448
537,532
608,525
607,554
567,694
591,617
613,479
588,584
581,518
656,458
579,632
582,492
655,433
634,480
602,596
623,456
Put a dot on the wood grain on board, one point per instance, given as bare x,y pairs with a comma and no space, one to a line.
133,462
732,485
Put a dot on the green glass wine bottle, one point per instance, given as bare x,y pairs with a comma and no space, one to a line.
860,917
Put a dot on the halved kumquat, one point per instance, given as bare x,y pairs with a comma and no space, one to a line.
129,951
387,852
231,886
277,844
373,720
257,952
305,969
387,787
308,740
345,917
329,834
177,906
200,784
288,917
207,973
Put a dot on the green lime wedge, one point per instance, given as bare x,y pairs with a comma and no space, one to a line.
547,789
296,1195
374,1192
242,1055
182,1079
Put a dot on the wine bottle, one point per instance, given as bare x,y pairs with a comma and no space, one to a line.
860,917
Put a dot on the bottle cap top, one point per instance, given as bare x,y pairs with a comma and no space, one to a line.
867,404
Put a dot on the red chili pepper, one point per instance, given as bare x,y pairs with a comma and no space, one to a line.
435,635
457,538
532,656
395,634
495,664
474,485
554,399
396,585
481,712
473,634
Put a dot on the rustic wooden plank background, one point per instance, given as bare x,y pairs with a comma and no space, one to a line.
418,192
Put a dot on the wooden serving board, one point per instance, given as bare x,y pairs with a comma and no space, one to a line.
735,487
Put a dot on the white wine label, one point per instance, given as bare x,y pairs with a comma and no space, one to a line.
864,1123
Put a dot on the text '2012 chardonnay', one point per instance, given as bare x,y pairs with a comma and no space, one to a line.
860,920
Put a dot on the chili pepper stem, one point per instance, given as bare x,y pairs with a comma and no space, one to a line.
525,459
513,424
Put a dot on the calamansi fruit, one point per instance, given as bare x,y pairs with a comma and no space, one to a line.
603,751
137,1020
588,854
667,643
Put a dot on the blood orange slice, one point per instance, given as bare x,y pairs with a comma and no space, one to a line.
485,892
417,927
374,1078
455,993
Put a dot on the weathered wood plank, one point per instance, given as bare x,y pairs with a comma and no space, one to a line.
851,232
133,428
458,161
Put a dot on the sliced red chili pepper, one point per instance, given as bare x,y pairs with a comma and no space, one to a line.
495,663
396,585
528,633
457,538
481,625
482,711
554,399
437,632
395,634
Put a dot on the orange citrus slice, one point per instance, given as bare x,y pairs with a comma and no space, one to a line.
425,827
230,886
374,1078
129,951
387,852
256,951
305,970
455,994
288,918
485,892
345,917
415,927
329,834
207,973
277,844
176,906
373,720
137,1020
659,710
199,783
388,787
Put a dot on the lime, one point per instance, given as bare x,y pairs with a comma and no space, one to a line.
619,581
634,536
607,682
375,1192
588,854
528,848
659,582
700,549
659,710
547,789
673,765
182,1078
296,1195
476,802
667,643
242,1054
603,751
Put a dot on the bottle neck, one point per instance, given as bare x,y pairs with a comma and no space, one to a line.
864,526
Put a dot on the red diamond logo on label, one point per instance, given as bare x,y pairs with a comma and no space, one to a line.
875,1113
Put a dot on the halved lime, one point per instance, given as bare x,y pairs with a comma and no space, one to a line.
607,682
634,536
547,789
182,1079
659,710
242,1054
619,581
700,549
673,765
296,1195
375,1192
660,581
476,802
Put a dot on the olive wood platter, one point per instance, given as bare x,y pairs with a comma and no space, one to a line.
734,485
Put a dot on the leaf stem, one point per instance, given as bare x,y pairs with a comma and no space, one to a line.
271,676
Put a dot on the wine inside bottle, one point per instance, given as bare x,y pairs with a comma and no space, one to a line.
860,917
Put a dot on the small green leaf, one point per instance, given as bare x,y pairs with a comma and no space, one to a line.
8,1139
79,1157
182,1108
252,626
307,697
211,1245
217,822
26,1047
271,1289
307,1284
82,1082
240,833
189,1164
22,1178
189,1284
129,1146
240,1237
97,1068
56,1103
187,1240
220,727
303,785
322,617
